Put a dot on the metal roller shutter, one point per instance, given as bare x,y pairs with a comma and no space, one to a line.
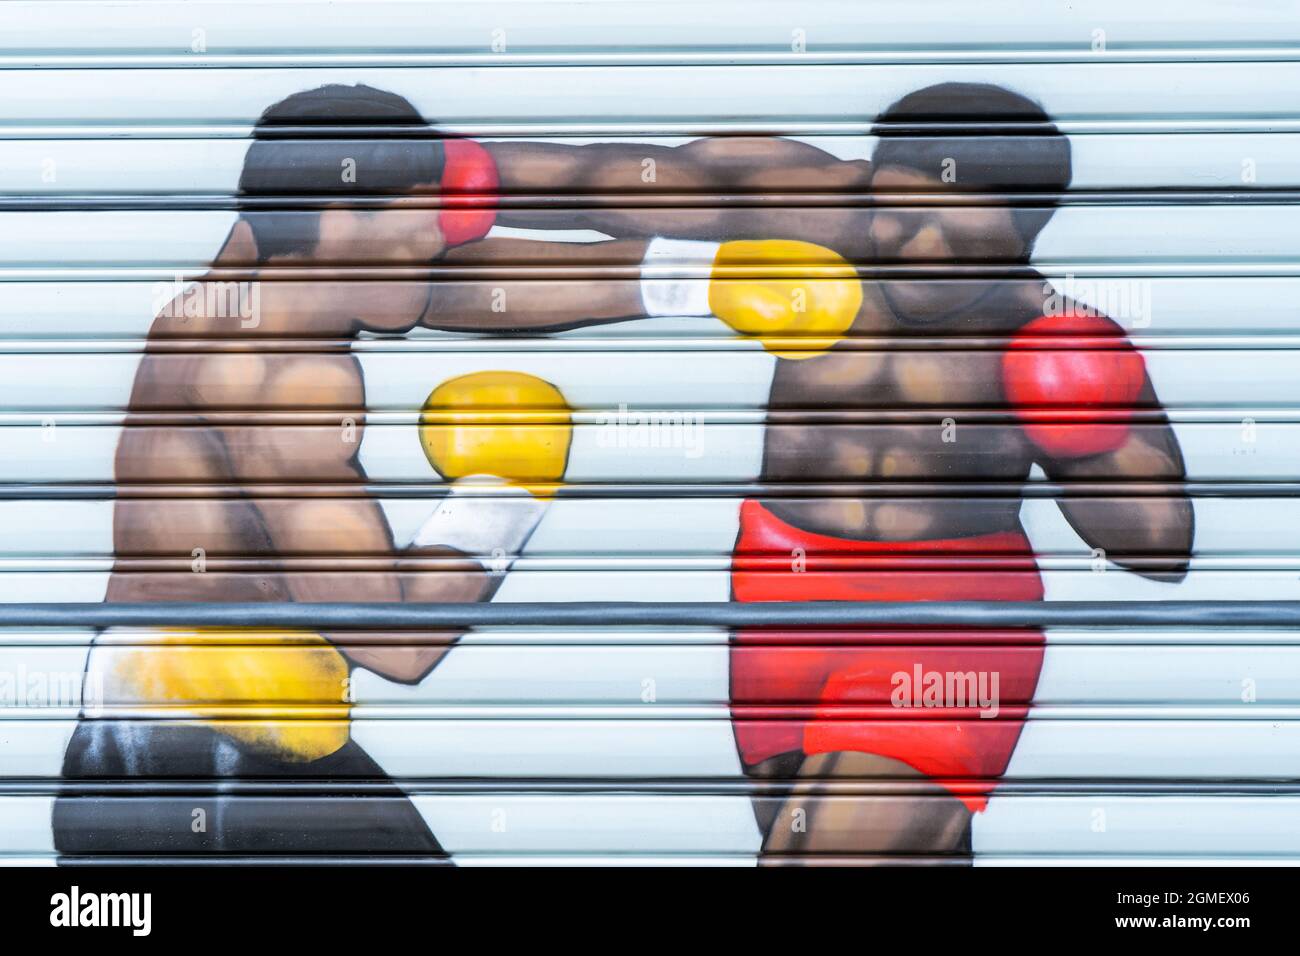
859,432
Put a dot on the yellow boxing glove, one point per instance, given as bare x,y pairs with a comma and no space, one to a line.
797,298
489,434
279,693
509,425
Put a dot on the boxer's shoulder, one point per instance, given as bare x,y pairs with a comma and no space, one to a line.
1073,321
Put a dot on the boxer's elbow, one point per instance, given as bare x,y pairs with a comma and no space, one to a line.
1172,527
1158,543
1149,535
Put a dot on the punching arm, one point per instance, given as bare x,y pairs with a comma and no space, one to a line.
795,298
631,189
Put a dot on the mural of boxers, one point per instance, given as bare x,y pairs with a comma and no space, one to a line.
862,330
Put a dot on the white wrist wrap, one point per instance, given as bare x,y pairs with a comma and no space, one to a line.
481,525
667,288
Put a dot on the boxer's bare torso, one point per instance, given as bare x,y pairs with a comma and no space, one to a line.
907,413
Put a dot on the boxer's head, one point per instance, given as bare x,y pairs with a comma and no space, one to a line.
962,138
352,142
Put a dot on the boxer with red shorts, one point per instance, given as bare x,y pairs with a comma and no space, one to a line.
821,696
897,451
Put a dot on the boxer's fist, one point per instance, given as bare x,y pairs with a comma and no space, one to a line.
1073,381
510,425
470,184
297,681
797,298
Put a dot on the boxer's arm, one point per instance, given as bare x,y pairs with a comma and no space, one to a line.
594,283
635,189
1158,527
1076,384
796,298
304,525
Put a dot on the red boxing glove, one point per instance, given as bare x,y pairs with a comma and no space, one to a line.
469,191
1059,370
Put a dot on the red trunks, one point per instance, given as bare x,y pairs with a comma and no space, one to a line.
861,690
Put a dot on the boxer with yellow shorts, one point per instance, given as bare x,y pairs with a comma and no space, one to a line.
250,703
500,437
